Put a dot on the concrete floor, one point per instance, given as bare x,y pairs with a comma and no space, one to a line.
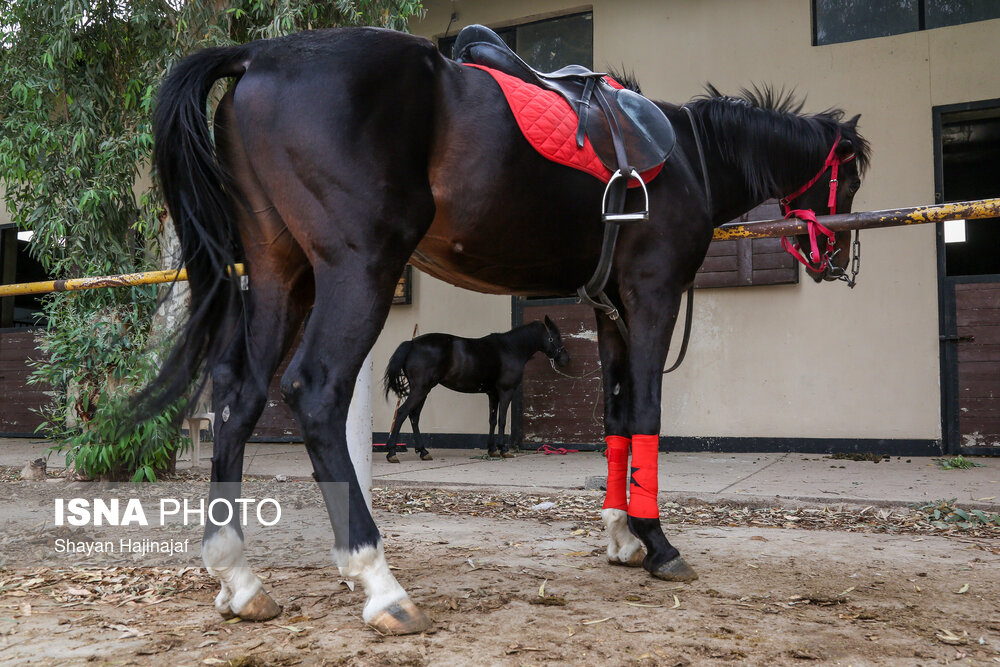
714,477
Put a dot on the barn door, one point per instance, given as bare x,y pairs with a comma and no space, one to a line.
554,409
968,148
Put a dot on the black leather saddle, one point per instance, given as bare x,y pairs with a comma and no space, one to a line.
626,130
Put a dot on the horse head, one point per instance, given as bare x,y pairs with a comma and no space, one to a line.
552,344
828,255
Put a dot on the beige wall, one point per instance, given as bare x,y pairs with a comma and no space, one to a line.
794,361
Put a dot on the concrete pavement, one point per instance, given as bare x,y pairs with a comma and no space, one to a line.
713,477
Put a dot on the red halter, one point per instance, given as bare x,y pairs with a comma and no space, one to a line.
833,162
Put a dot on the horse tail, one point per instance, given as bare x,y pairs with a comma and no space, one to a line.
395,378
198,193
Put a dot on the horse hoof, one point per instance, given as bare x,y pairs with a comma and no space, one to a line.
260,608
675,570
392,459
426,457
508,455
634,561
401,618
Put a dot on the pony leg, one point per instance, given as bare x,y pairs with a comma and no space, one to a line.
240,381
624,548
418,444
491,448
318,384
650,329
417,395
505,399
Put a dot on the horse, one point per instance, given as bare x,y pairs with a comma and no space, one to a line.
339,155
491,365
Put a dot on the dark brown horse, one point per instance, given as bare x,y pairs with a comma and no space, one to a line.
491,365
340,155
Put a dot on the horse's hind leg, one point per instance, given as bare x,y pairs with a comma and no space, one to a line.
318,385
417,396
279,296
418,439
624,548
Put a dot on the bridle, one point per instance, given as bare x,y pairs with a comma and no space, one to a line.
819,263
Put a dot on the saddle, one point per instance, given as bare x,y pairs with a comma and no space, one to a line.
627,131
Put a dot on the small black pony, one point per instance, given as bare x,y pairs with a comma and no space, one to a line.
491,365
339,155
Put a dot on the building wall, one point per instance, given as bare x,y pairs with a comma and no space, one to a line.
791,361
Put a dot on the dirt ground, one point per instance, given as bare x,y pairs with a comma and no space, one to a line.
510,585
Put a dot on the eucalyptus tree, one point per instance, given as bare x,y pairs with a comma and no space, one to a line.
77,85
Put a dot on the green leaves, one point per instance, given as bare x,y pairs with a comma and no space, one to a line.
78,82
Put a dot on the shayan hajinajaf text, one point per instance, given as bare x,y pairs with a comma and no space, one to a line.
101,512
123,546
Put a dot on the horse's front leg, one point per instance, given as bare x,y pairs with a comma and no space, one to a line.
505,398
623,547
491,448
652,315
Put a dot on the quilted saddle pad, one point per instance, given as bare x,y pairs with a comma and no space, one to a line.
549,124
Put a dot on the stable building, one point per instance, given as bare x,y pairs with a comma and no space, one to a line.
907,362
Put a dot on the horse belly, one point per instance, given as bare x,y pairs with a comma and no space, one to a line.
507,220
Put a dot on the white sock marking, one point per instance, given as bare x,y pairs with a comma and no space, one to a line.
223,556
369,565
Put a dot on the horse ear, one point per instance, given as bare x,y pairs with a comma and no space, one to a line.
549,324
845,150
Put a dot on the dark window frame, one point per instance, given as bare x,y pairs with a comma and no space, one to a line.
509,31
921,11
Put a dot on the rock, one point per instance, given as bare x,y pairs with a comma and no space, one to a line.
34,470
596,483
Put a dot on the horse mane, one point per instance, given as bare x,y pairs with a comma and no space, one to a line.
765,134
625,77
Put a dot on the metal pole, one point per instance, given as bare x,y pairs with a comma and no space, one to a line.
916,215
124,280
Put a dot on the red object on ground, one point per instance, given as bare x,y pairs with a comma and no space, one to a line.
547,449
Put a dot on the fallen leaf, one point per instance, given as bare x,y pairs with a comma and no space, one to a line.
677,602
541,589
639,604
846,592
963,589
600,620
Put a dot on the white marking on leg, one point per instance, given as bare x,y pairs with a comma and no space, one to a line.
224,559
370,567
622,544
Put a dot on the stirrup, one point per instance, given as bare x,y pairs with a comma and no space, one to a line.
624,218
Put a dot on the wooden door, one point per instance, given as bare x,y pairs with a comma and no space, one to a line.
19,401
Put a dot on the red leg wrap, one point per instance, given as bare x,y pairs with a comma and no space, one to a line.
642,491
617,454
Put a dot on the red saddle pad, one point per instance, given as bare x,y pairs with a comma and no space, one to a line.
549,124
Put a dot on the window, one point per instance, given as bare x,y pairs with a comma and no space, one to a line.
549,44
849,20
18,266
749,262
